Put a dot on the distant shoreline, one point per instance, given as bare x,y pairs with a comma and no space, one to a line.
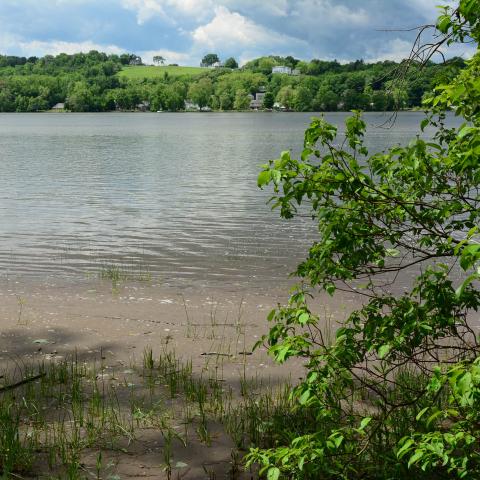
253,112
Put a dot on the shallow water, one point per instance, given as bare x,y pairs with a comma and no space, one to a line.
168,195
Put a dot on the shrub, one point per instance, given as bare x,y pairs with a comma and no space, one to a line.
396,393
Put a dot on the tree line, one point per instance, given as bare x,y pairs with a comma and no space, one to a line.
89,82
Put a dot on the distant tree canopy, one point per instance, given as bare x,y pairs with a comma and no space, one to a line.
90,82
231,63
200,92
130,59
210,59
158,60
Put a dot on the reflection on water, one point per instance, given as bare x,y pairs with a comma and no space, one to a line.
174,194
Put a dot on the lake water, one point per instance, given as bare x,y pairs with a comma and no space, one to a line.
173,195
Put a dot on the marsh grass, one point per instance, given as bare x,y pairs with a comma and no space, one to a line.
118,274
65,423
76,420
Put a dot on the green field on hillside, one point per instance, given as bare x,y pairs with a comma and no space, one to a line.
141,71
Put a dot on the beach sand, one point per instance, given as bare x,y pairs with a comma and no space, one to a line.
94,319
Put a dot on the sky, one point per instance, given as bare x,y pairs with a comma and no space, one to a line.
183,31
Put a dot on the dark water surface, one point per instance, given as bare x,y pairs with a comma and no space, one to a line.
174,195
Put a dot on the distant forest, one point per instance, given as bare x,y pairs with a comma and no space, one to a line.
91,83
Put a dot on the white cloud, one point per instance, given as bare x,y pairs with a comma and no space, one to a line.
7,42
463,50
37,47
145,9
59,3
168,9
191,7
271,8
427,8
398,49
40,48
231,31
324,12
170,56
395,49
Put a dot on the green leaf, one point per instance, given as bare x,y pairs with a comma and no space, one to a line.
383,351
405,447
303,318
365,422
444,23
470,254
273,473
264,178
421,413
415,457
433,417
304,397
466,130
338,439
459,291
285,156
330,288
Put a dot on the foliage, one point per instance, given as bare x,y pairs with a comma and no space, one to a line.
99,82
396,393
158,60
200,92
231,63
268,100
286,97
242,100
210,59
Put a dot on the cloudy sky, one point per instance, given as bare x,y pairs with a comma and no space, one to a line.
184,30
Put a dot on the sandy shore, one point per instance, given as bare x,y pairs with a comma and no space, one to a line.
214,328
57,318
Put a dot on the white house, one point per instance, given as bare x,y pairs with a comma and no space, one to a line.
282,69
191,106
213,65
143,106
257,101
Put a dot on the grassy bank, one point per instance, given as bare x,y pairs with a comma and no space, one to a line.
76,420
150,72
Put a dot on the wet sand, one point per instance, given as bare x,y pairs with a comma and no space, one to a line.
48,319
51,320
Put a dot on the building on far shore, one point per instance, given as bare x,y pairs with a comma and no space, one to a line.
58,107
285,70
213,65
143,106
282,69
256,102
191,106
279,106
